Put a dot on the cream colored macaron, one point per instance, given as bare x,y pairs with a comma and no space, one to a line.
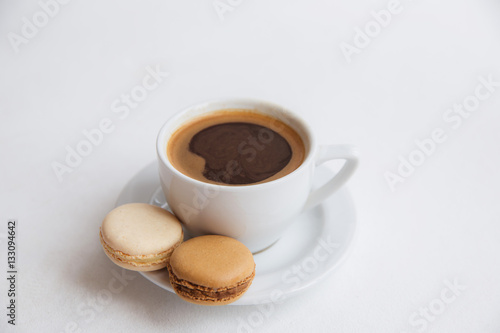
140,237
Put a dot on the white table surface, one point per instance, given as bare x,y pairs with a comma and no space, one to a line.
438,227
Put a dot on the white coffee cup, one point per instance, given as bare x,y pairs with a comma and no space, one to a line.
255,214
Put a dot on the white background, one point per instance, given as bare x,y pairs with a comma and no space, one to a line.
440,224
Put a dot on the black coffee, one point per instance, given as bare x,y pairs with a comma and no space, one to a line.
240,153
235,147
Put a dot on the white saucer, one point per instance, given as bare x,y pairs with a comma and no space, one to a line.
314,245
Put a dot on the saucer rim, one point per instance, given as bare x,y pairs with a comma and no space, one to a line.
348,241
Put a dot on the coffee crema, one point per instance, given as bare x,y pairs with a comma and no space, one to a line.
235,147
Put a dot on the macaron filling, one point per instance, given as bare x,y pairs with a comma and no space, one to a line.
138,260
198,292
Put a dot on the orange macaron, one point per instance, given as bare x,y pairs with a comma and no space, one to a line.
211,270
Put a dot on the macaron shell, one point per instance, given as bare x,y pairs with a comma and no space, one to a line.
212,261
140,229
208,296
140,237
136,263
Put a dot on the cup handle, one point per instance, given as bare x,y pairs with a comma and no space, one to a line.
328,153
